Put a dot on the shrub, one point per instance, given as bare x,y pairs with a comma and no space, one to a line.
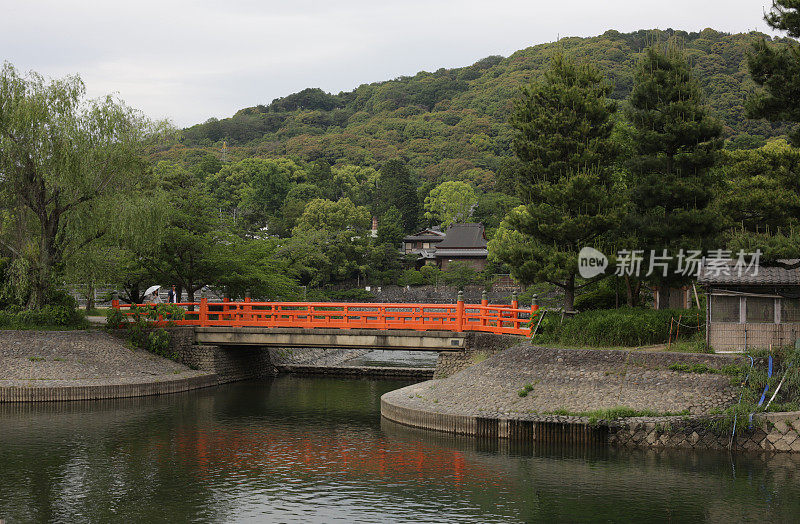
602,296
616,327
47,316
158,343
139,326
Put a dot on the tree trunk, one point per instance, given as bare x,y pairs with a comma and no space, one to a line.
90,295
190,295
569,293
663,296
632,291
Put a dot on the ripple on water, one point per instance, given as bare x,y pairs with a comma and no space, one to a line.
314,450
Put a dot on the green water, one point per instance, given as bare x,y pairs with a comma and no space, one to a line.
315,450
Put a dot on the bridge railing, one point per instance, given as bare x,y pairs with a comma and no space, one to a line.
501,319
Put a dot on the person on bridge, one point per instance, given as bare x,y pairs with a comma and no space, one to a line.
172,297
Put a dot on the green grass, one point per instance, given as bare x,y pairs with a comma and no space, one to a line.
525,390
626,327
37,359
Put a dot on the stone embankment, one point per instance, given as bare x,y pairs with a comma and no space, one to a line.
86,365
540,393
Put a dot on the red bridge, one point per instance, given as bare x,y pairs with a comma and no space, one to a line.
507,319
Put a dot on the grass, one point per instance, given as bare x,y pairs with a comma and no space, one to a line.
37,359
631,327
614,413
525,390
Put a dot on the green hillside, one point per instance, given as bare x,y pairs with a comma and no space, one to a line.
451,124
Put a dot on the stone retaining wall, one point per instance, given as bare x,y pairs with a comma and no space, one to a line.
96,392
359,371
478,347
771,432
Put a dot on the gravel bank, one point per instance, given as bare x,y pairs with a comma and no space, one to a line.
54,359
572,380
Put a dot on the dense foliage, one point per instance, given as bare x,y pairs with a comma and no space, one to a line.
451,124
617,327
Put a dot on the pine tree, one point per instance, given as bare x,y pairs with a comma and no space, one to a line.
563,131
675,147
395,188
777,70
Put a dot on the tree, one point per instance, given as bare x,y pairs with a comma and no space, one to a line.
255,187
675,145
777,70
62,157
390,228
343,215
184,253
563,138
395,188
451,202
760,197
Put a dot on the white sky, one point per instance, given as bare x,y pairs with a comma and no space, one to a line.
191,60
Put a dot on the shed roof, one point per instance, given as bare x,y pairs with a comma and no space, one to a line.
765,276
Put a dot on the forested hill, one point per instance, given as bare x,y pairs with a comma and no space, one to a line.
452,123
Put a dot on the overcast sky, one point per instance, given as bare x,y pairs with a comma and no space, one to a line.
191,60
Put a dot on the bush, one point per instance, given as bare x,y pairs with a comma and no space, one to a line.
47,316
139,326
602,296
616,327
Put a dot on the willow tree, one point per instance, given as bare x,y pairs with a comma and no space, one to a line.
563,137
62,157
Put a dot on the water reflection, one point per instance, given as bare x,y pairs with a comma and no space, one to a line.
314,449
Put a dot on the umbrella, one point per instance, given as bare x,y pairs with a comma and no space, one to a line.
152,289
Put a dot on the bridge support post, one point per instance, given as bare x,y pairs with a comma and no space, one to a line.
460,311
484,303
515,314
203,317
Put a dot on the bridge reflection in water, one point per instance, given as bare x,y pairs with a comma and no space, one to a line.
299,449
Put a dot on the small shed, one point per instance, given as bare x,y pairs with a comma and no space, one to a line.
755,309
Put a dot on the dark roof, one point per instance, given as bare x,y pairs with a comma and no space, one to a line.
430,234
764,276
463,236
466,252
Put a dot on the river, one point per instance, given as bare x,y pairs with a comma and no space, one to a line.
297,449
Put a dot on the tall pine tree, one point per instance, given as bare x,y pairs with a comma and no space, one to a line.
395,188
563,128
675,147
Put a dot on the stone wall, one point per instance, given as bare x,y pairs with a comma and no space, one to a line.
441,294
770,432
478,347
314,356
228,363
